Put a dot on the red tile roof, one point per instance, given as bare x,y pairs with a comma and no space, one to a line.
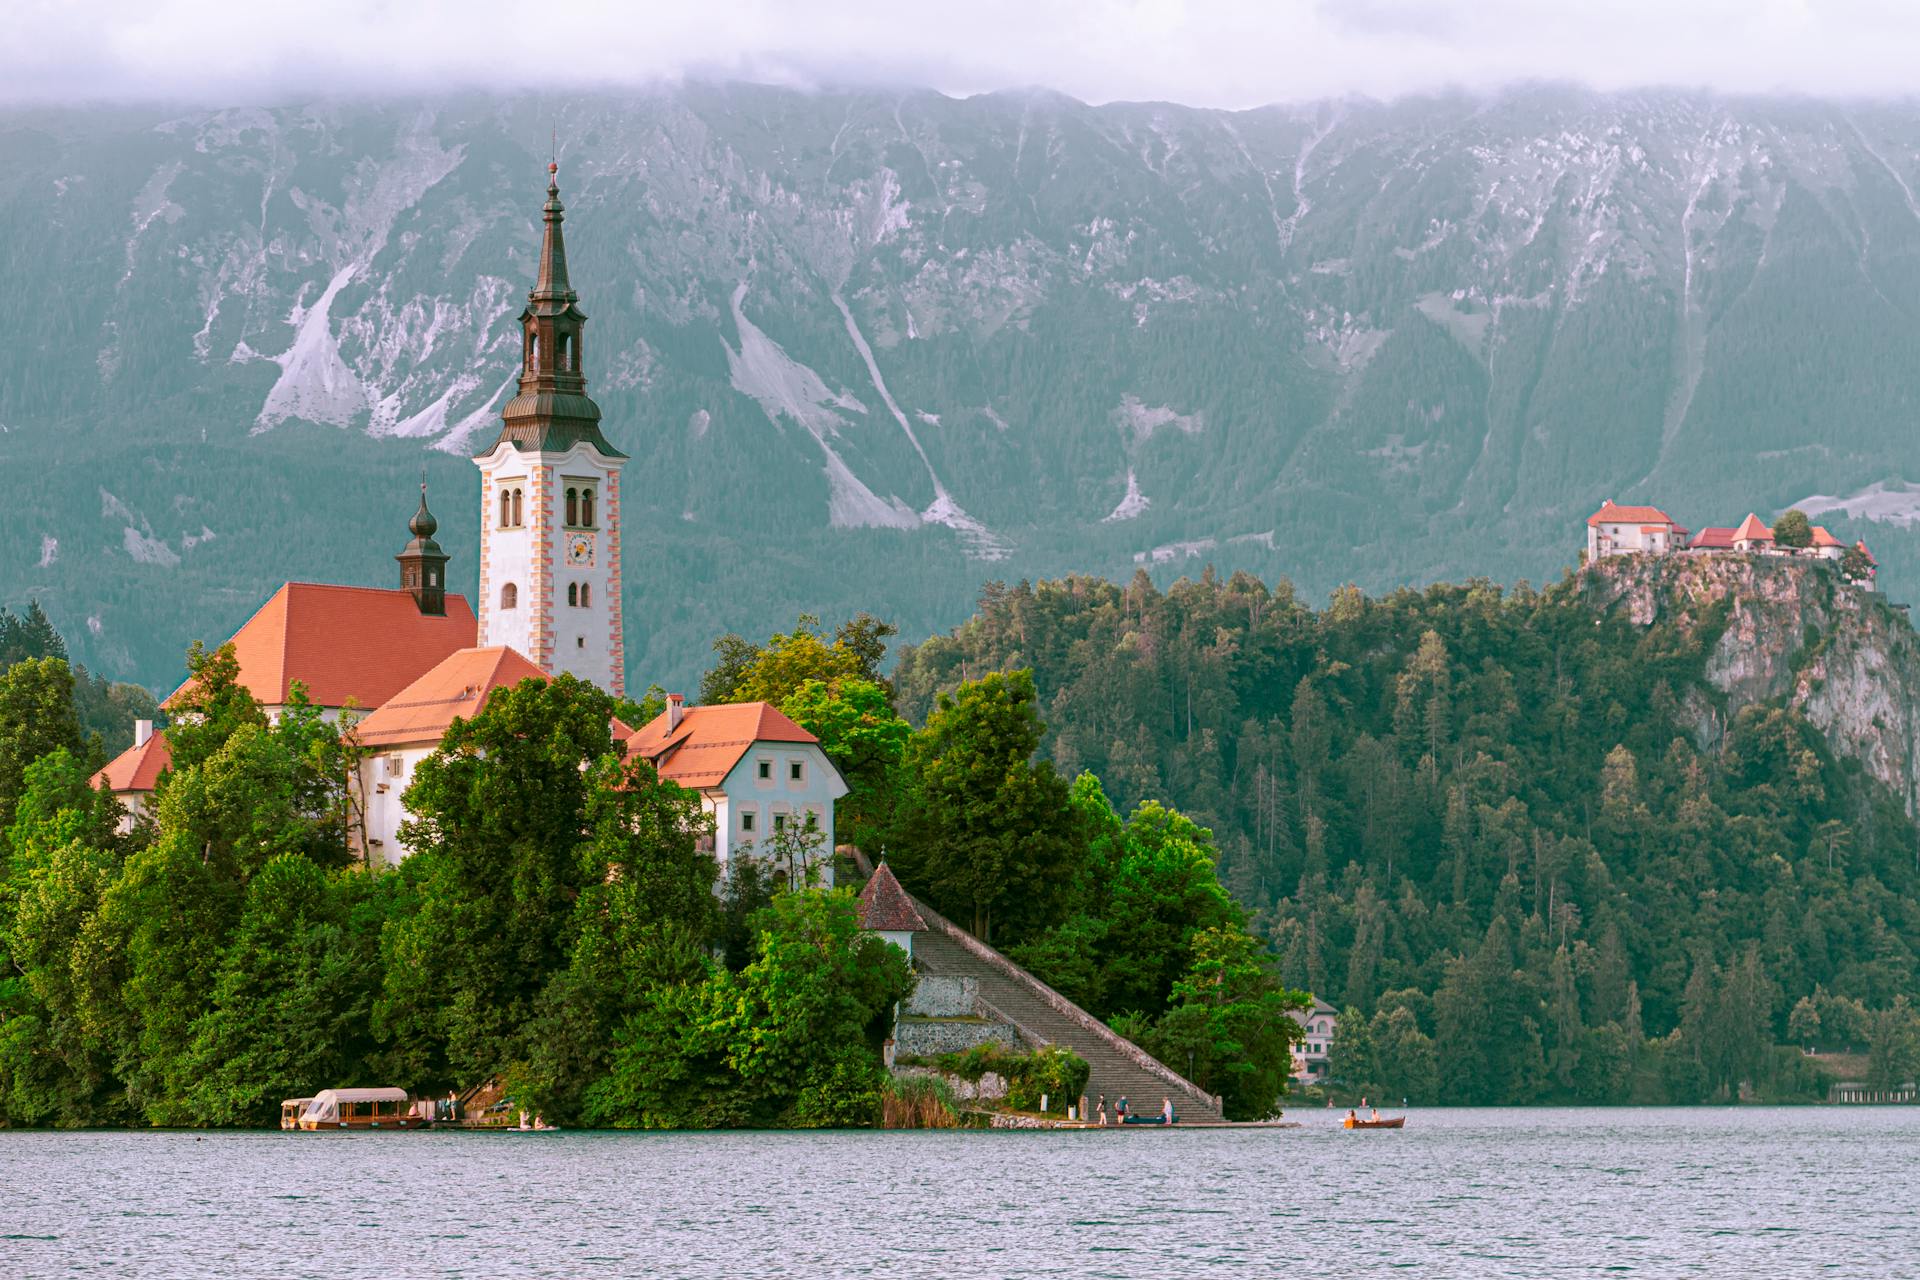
1862,546
703,748
1713,539
885,906
136,768
1821,538
361,644
1751,530
458,686
1610,513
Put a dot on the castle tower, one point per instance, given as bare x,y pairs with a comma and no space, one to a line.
423,565
550,494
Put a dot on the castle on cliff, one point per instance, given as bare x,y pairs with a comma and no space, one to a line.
1616,530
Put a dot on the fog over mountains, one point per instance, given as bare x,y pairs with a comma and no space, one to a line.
870,349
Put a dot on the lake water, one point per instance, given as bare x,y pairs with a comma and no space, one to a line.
1749,1192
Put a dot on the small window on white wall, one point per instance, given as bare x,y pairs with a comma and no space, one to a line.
509,596
765,770
746,820
796,770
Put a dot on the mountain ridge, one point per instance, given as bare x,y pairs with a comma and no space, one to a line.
869,348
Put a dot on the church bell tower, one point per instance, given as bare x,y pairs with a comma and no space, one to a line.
550,494
423,565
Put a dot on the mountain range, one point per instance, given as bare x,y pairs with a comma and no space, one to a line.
870,349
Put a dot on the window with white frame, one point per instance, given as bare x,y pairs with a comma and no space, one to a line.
796,770
764,770
746,821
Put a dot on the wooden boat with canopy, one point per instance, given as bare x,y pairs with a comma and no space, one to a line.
360,1109
290,1112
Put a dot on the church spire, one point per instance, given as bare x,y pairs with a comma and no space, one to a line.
423,565
552,284
553,412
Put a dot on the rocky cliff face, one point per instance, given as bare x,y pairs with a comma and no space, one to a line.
1793,631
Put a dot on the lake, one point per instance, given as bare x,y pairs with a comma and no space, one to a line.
1719,1192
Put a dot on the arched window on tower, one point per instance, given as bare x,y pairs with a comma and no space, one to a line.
573,506
516,508
509,597
566,353
586,508
586,594
573,594
506,508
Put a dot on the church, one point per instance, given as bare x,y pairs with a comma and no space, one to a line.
400,665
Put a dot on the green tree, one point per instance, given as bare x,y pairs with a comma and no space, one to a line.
1803,1024
1793,529
145,965
1893,1052
64,857
791,1038
36,717
866,741
1408,1067
292,999
1228,1024
1353,1060
774,671
499,816
210,707
983,830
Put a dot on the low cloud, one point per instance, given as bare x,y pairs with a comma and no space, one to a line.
1223,53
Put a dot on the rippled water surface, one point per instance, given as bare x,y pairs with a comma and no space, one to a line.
1824,1191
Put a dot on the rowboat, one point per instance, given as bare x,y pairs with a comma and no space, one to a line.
1395,1123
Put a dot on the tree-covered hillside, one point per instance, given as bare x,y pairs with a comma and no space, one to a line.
1523,836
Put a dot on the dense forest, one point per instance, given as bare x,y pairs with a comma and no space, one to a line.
1478,821
1522,842
561,925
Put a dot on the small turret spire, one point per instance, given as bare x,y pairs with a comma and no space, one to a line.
423,565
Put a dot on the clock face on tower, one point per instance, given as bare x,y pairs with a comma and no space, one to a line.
580,549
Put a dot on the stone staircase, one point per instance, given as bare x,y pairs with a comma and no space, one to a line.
1042,1015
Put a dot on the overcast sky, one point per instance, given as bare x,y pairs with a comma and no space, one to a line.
1228,53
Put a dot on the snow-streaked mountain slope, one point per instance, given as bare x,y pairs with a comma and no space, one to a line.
868,349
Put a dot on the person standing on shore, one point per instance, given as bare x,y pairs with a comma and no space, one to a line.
1102,1111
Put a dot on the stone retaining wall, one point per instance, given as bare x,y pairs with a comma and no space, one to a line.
929,1038
937,997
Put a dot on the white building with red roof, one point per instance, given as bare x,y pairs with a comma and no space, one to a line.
755,769
1615,530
